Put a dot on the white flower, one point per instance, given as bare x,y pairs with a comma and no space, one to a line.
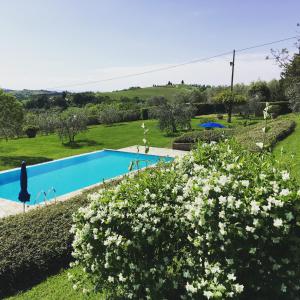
283,288
208,294
285,175
260,145
245,183
254,207
110,279
231,276
121,277
144,141
284,192
223,180
239,287
277,222
250,229
143,125
190,288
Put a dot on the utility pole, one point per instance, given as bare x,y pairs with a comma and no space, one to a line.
232,63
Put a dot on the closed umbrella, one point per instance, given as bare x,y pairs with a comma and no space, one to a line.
24,196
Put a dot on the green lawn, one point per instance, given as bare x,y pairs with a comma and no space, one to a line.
45,148
55,288
288,150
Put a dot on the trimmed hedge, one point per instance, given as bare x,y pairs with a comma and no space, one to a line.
209,108
282,107
35,244
279,129
207,136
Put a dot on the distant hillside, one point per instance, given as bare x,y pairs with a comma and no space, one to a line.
27,94
166,91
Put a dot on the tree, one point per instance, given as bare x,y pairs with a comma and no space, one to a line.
11,115
229,99
260,91
70,123
174,116
109,115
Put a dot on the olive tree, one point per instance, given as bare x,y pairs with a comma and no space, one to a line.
70,123
229,99
11,116
174,116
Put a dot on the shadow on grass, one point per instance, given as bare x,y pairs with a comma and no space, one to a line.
115,124
81,143
15,161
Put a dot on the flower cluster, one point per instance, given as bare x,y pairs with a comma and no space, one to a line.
220,223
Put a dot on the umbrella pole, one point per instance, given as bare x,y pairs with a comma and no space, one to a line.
23,207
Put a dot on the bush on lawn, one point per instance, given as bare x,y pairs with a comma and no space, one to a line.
31,131
35,244
207,136
220,223
279,129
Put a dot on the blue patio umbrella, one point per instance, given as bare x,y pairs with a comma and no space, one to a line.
24,196
211,125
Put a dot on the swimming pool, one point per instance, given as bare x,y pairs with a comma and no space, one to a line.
63,176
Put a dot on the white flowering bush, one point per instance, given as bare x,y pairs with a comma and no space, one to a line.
220,223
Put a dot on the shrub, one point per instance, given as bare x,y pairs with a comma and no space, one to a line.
109,115
220,117
145,113
31,131
209,108
206,136
35,244
219,223
279,129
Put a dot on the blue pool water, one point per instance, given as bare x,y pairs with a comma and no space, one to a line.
71,174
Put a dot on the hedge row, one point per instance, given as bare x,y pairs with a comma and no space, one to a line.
204,136
283,107
279,129
209,108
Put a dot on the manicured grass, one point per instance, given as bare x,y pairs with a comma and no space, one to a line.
57,287
46,148
288,150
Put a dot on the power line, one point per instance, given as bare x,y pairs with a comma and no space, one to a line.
173,66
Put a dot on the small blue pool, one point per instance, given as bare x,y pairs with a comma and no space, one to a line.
63,176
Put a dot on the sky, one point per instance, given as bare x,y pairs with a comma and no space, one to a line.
63,44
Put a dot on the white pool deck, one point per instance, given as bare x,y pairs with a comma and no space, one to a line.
8,207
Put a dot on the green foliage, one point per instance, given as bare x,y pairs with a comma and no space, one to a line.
229,99
278,130
70,123
145,113
220,223
11,115
174,116
109,115
31,130
260,90
207,136
35,244
208,108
